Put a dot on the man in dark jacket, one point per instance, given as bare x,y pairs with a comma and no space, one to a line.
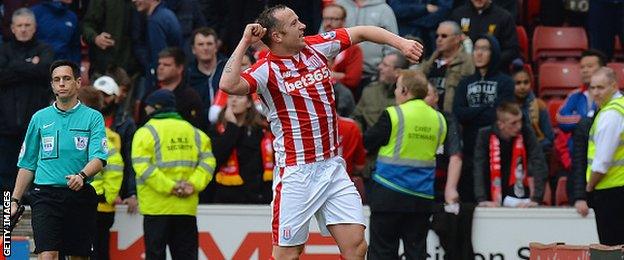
106,28
170,76
204,72
479,17
505,155
24,89
475,102
154,28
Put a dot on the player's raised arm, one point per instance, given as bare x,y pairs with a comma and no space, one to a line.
231,81
411,49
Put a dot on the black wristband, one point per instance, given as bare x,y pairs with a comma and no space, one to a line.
83,175
15,200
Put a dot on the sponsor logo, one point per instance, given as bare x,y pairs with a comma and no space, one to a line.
48,125
306,80
81,142
48,143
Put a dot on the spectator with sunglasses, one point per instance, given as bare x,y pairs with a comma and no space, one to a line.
448,64
533,109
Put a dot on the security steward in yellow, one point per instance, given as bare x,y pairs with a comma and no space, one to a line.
605,158
107,182
407,137
173,163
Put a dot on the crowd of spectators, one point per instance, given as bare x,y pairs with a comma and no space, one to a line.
472,62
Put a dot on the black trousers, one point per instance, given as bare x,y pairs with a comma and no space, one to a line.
386,228
179,232
608,205
455,231
104,221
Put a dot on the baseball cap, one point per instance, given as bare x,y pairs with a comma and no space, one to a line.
107,85
161,98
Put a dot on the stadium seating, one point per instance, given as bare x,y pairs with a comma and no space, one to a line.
558,79
523,40
619,72
558,42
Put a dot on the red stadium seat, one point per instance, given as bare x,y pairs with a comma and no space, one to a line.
619,72
558,42
557,79
553,108
523,40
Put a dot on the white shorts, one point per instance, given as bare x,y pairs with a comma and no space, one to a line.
322,189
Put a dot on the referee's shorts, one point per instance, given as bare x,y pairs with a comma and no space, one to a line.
63,220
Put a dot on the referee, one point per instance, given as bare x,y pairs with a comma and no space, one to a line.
65,145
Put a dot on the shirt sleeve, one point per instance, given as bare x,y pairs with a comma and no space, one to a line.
98,147
379,134
452,143
330,43
608,128
29,153
257,75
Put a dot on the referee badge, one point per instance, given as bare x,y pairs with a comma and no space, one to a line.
48,143
105,145
81,142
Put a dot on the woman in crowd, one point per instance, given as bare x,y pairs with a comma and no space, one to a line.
242,146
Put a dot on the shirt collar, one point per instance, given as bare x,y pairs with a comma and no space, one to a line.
68,111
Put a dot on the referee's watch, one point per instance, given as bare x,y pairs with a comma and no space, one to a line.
82,175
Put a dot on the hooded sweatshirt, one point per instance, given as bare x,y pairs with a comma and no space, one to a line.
477,97
372,12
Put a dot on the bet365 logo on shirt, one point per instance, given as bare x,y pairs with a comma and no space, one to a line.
308,79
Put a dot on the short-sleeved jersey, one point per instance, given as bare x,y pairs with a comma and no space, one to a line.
298,95
60,143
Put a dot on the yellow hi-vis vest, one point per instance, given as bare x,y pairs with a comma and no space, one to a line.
407,163
108,181
167,150
614,177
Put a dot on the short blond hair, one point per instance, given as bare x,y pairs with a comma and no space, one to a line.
415,81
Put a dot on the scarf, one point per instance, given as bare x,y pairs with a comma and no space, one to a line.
518,168
229,173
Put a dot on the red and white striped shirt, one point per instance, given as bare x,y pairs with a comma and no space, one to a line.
299,97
